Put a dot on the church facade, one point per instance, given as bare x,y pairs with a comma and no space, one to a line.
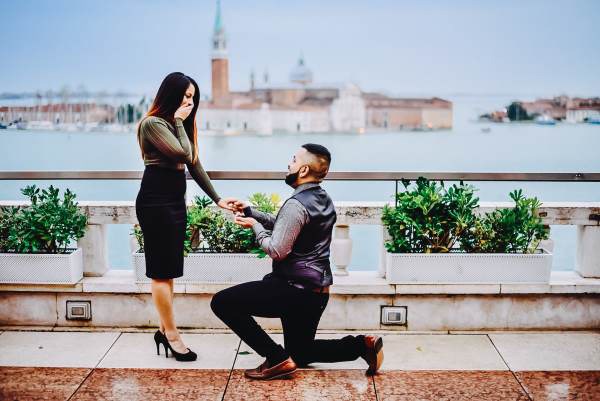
303,106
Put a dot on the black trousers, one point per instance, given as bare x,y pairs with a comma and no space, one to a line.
299,310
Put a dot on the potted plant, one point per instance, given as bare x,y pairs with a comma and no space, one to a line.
436,236
216,249
36,240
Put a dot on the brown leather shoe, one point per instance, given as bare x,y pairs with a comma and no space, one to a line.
374,353
264,372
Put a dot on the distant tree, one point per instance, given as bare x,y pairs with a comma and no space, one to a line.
516,112
130,113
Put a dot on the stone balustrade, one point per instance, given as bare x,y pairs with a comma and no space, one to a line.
584,215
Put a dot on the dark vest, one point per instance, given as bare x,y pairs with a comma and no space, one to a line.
308,262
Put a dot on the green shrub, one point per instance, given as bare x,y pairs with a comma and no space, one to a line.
139,237
514,230
429,218
48,225
433,219
8,218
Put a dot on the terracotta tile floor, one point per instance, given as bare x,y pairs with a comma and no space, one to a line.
24,383
30,383
448,385
339,385
153,384
417,367
563,385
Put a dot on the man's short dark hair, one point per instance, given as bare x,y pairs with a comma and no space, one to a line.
322,156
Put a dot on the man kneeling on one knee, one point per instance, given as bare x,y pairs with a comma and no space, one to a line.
297,290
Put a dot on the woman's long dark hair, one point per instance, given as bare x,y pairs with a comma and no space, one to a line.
168,100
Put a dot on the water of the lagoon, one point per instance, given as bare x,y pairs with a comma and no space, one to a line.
506,148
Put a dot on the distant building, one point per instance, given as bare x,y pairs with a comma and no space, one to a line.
220,63
581,110
498,116
575,110
394,113
303,106
59,113
555,108
583,114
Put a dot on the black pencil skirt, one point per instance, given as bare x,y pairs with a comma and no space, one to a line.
161,213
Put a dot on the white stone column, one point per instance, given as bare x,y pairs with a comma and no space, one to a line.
95,250
341,249
385,236
588,251
547,244
133,244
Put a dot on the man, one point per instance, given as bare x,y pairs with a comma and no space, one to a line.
297,291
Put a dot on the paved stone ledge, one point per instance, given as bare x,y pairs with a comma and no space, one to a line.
357,283
567,302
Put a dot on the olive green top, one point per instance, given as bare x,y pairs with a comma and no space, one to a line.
167,146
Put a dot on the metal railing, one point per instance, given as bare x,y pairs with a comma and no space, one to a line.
332,176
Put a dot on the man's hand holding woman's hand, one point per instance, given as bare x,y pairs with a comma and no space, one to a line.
246,222
237,207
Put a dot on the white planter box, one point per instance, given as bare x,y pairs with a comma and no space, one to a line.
213,268
436,268
38,268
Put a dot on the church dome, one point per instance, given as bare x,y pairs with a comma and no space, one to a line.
301,73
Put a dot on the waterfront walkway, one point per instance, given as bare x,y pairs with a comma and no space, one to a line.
52,364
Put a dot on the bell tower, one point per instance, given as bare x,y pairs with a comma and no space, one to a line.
219,61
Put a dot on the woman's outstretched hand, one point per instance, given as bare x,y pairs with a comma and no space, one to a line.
228,203
233,204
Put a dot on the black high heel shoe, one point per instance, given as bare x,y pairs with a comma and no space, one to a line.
160,338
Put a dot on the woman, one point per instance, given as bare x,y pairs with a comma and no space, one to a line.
169,141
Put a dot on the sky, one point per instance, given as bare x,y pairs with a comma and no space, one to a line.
400,47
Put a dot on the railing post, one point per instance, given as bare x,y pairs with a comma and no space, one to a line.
133,244
341,249
385,236
547,244
95,250
588,251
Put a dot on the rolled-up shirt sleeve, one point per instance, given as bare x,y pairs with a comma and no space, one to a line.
279,242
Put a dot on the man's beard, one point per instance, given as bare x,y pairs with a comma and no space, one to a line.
291,178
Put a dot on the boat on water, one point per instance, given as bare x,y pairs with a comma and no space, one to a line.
545,120
593,120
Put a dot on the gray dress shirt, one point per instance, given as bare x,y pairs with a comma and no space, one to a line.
277,235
